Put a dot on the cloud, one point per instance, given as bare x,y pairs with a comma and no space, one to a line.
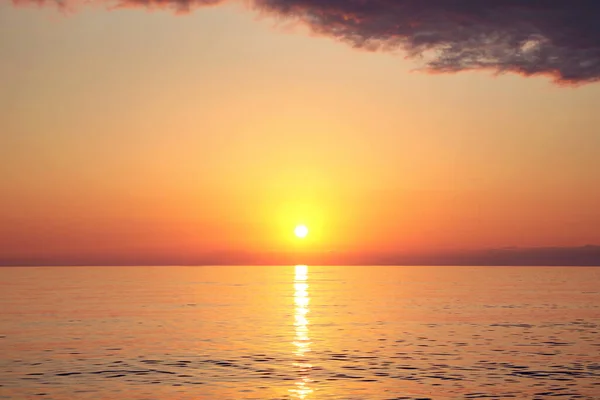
558,38
537,256
588,255
179,6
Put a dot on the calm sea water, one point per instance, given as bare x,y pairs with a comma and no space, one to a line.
300,333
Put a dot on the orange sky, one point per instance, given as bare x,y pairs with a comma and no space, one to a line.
129,133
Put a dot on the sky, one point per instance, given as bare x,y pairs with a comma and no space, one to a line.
174,131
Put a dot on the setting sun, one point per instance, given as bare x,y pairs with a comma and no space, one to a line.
301,231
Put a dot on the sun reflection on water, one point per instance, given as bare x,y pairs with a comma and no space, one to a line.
301,342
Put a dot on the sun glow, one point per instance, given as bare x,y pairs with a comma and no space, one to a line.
301,231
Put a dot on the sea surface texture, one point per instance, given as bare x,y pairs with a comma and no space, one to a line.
298,332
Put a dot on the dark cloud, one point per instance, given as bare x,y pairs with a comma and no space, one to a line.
542,256
588,255
555,37
560,38
179,6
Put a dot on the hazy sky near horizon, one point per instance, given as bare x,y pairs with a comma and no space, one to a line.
133,131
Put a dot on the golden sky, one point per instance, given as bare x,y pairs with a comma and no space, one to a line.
127,132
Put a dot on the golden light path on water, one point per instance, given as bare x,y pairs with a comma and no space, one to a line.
302,337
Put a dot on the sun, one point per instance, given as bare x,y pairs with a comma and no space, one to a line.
301,231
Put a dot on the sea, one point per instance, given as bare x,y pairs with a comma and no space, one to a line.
299,332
